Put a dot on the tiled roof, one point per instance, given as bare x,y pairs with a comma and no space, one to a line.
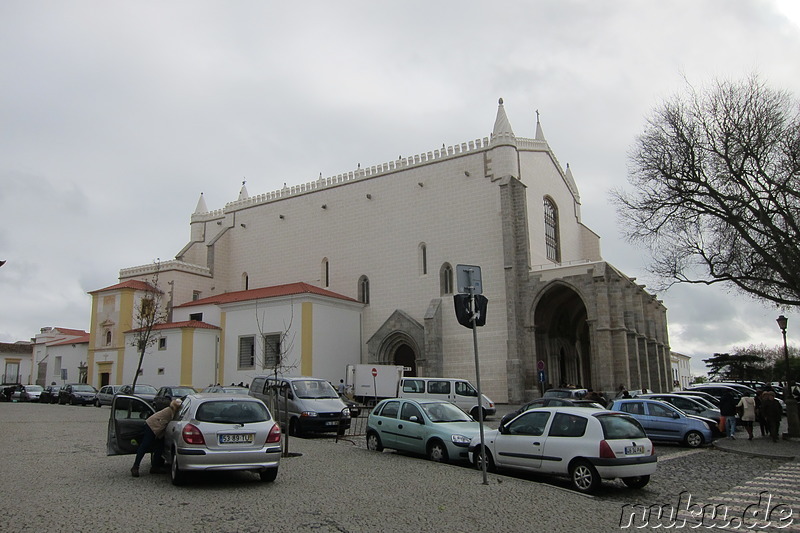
289,289
77,339
179,325
130,284
16,348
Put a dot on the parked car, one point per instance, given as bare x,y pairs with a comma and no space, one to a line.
565,393
715,390
311,405
50,394
76,394
165,395
226,389
744,390
662,421
454,390
550,402
691,405
435,428
210,432
713,400
28,393
105,396
587,445
146,392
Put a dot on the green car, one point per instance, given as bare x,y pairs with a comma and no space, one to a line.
434,428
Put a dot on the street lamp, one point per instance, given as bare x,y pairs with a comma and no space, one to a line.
792,419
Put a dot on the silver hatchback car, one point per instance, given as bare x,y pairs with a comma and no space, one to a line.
211,432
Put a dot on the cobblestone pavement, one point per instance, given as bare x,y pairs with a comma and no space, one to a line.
57,477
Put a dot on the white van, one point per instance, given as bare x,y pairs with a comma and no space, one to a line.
311,405
454,390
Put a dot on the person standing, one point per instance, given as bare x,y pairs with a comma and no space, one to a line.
727,409
153,438
748,406
772,411
762,422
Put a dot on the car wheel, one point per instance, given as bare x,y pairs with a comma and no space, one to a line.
177,476
475,413
636,482
374,442
72,400
294,428
97,403
490,466
437,452
584,477
269,474
694,439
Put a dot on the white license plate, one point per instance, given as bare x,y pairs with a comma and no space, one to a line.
236,438
331,423
634,450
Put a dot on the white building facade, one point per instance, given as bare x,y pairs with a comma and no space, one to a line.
390,237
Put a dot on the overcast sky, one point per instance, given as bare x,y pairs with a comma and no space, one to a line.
115,116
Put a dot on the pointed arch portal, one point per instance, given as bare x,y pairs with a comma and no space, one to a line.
562,338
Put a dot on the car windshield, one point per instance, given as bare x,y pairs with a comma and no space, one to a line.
233,390
145,389
445,412
182,391
83,388
557,394
312,388
232,412
33,388
616,426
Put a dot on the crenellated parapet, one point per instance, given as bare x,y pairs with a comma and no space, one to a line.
403,163
165,266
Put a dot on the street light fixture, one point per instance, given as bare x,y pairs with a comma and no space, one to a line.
792,418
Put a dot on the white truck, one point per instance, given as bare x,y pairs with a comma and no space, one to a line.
371,383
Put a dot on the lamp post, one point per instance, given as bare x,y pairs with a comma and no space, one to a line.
792,418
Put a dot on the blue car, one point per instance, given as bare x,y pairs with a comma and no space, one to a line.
435,428
664,422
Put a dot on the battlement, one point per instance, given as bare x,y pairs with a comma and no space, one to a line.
164,266
402,163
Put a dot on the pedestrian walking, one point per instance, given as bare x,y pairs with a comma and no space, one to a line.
772,413
748,406
727,410
762,422
153,438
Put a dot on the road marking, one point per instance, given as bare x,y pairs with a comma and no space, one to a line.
672,456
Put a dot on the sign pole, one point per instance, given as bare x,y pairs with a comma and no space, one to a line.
477,375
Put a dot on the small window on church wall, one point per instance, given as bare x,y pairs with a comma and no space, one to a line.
363,289
245,281
108,338
326,273
446,279
423,259
551,239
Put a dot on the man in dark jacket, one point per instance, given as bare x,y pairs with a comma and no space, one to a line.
771,410
727,409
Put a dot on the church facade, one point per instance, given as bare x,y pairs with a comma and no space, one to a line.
385,242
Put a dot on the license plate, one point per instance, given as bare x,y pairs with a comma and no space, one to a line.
236,438
634,450
331,423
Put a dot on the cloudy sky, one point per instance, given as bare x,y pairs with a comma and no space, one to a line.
115,116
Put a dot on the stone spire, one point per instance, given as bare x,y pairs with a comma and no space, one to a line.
539,132
243,195
201,205
502,127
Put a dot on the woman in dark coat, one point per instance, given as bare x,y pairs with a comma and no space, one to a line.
771,410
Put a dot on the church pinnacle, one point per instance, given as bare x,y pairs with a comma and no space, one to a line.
502,127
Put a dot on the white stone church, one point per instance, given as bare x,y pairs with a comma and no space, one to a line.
361,267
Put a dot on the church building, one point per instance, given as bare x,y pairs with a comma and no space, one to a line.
361,268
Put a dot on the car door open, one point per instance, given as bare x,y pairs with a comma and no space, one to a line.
126,424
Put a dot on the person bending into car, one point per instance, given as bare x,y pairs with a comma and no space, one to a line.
153,438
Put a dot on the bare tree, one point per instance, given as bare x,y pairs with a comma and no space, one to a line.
148,312
716,178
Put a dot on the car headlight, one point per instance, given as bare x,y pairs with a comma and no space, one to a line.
460,440
310,414
346,413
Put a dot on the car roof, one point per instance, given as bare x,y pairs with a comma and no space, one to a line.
217,396
582,411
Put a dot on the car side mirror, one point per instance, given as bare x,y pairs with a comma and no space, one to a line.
502,429
415,418
290,395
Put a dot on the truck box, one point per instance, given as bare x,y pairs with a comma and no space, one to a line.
372,383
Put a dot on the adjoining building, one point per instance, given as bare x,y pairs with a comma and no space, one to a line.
380,248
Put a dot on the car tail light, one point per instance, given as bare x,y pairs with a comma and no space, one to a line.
274,434
192,435
605,451
652,449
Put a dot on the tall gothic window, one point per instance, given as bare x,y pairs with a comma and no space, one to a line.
363,289
551,239
423,259
326,273
446,279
